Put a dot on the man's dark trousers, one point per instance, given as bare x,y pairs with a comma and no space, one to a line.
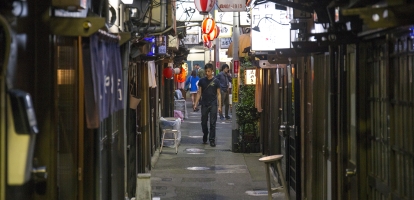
225,103
205,110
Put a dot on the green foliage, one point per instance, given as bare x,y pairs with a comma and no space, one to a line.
245,110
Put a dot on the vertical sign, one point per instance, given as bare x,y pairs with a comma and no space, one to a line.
235,89
217,67
250,76
236,68
235,81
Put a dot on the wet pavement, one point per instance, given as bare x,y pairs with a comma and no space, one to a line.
200,172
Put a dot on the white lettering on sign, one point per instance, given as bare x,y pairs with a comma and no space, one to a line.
119,90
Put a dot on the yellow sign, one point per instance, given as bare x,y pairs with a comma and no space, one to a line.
235,89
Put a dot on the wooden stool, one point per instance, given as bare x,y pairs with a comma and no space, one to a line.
175,132
268,160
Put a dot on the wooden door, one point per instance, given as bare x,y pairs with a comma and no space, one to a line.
290,121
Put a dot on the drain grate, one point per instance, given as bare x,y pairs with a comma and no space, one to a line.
198,168
159,194
198,179
160,188
223,150
194,150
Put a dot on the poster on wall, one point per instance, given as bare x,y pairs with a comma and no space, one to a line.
225,42
270,28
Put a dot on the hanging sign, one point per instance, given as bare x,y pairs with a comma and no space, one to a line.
236,67
235,89
231,5
250,76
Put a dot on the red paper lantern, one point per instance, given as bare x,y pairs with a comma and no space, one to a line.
168,72
208,25
204,6
214,34
208,44
205,38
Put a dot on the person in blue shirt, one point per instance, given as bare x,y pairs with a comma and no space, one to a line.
224,79
192,84
209,91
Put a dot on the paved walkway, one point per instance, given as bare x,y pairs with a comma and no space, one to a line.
200,172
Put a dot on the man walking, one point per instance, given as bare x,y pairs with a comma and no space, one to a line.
224,79
200,72
209,91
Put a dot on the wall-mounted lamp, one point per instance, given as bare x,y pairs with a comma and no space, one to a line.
256,28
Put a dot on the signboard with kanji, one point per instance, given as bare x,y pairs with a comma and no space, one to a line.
250,77
231,5
235,89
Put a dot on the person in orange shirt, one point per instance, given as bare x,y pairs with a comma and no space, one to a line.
180,78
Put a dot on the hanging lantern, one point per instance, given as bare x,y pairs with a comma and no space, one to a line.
168,72
204,6
208,44
214,34
208,25
205,38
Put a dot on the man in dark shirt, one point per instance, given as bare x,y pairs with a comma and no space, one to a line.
224,79
209,91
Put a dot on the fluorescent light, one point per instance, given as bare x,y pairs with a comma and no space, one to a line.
127,1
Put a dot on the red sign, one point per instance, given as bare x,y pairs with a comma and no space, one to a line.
218,65
236,67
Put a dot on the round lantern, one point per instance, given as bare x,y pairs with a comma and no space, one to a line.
208,44
168,72
177,70
205,38
208,25
204,6
214,34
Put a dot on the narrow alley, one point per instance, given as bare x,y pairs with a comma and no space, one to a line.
199,171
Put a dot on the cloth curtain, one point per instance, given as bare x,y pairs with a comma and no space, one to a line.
151,74
103,79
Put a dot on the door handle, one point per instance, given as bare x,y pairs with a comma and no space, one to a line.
282,129
40,178
40,173
350,172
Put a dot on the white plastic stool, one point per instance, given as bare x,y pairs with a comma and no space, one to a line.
175,132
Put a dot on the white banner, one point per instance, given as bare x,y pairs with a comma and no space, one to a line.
231,5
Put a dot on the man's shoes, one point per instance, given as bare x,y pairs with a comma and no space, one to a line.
228,117
204,139
221,117
212,143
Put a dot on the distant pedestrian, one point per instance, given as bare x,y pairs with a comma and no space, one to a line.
192,83
209,91
200,72
224,79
